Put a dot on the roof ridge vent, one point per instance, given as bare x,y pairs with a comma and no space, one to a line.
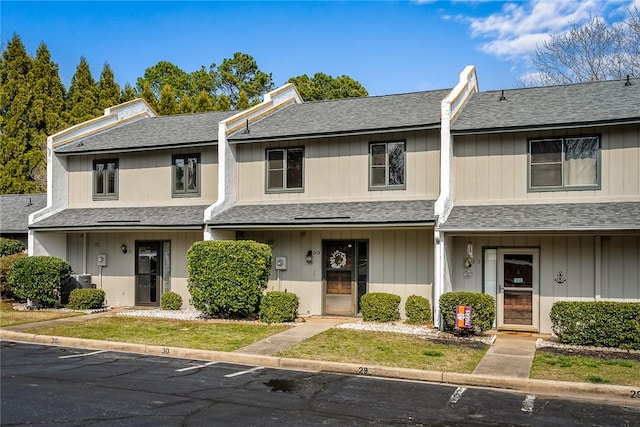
628,82
502,97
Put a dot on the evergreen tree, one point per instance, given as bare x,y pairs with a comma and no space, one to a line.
203,103
82,100
108,89
147,94
185,106
128,93
243,101
223,103
167,104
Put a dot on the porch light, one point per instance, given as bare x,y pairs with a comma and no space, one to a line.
123,248
309,256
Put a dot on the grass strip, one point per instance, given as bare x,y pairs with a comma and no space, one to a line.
386,349
11,317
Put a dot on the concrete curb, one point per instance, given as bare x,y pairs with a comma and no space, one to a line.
604,393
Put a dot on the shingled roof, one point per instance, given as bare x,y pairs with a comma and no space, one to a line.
595,103
611,216
191,217
331,214
417,110
15,210
152,133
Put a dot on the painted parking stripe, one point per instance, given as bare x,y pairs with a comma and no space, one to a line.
196,367
83,354
248,371
457,395
527,405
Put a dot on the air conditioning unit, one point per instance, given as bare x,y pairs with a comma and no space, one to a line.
82,281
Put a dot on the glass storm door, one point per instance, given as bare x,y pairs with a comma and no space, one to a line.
518,289
345,274
148,273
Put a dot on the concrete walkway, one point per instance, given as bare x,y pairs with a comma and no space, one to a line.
510,355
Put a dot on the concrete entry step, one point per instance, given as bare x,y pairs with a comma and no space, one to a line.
510,355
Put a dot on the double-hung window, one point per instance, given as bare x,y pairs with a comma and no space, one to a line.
186,175
105,179
387,165
564,163
285,169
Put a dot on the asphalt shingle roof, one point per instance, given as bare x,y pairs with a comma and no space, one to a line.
151,133
543,107
373,113
612,216
351,213
135,217
15,210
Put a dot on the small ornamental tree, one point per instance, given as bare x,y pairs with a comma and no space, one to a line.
226,278
39,278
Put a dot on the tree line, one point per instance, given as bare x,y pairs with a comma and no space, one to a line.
34,102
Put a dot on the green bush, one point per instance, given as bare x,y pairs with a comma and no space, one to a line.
482,315
227,277
171,301
6,292
417,310
39,278
597,323
10,246
278,307
86,299
380,307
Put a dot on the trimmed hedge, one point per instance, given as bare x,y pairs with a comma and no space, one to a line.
228,277
171,301
278,307
597,323
10,246
6,292
482,315
39,278
86,299
380,307
417,310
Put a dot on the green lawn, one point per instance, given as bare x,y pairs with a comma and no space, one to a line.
558,367
170,333
386,349
11,317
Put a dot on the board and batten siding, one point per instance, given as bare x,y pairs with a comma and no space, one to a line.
337,169
144,179
574,256
493,168
400,262
118,277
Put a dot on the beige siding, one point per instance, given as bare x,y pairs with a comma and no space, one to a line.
621,268
337,169
400,262
118,277
492,168
144,179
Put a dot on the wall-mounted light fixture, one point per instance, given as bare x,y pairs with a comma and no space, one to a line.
309,256
123,248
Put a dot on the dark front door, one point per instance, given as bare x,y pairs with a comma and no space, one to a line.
148,273
345,271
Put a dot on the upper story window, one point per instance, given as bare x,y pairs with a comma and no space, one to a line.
387,165
186,175
564,163
285,169
105,179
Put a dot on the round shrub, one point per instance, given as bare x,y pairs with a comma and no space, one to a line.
228,277
86,299
170,301
39,278
10,246
483,312
278,307
380,307
6,292
417,310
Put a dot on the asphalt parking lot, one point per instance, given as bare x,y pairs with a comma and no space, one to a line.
61,386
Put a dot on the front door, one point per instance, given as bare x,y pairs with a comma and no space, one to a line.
518,293
148,273
345,273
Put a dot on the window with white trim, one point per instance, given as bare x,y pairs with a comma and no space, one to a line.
186,175
387,165
285,169
564,163
105,179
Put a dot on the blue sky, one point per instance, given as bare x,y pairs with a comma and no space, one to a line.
388,46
